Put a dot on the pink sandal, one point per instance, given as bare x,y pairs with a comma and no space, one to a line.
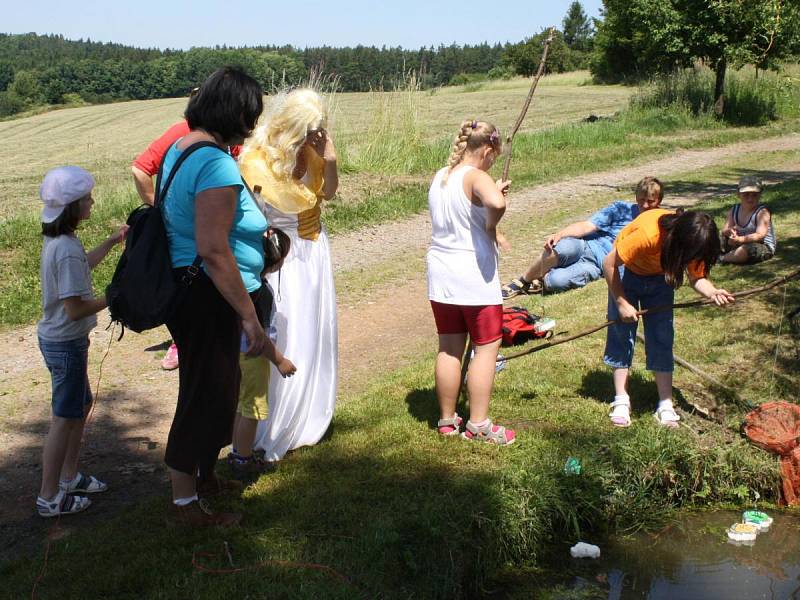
489,433
450,426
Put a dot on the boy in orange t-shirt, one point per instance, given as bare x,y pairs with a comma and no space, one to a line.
655,249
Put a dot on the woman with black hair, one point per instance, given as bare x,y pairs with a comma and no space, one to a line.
209,214
655,249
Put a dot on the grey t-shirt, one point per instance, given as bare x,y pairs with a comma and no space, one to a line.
65,273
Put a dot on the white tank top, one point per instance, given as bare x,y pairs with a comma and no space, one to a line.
462,259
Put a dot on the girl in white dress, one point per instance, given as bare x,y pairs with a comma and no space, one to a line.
291,163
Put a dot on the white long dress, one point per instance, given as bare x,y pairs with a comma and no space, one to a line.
301,407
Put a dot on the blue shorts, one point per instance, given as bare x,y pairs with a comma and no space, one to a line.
642,291
577,266
68,364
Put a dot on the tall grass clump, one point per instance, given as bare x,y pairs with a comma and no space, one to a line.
395,142
749,100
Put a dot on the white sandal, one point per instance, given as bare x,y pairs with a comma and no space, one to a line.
667,417
620,417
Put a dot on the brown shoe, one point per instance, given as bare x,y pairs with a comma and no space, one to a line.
199,514
218,485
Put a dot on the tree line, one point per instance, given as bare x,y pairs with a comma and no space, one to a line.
49,69
633,40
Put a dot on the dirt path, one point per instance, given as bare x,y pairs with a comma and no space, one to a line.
381,328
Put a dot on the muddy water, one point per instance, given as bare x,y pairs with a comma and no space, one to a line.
692,559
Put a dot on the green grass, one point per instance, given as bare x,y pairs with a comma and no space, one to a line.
539,157
404,513
749,100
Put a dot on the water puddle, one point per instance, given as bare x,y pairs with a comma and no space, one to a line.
692,559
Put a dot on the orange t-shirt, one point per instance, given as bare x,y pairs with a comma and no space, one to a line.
639,245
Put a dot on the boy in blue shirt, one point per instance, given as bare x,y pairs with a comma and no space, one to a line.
574,256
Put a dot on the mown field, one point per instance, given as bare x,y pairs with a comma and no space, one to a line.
105,139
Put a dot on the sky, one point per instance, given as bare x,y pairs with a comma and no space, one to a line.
181,24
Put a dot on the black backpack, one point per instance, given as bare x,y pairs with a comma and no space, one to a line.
144,291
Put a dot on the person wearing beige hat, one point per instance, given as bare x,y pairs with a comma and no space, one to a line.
69,308
748,236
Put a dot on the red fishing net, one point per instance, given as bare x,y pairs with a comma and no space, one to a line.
775,426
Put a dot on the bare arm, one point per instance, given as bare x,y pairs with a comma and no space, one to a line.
611,266
576,230
98,253
704,287
762,229
144,185
77,308
490,195
214,212
730,226
331,172
284,365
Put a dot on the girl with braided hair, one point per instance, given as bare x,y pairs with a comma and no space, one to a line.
463,285
291,162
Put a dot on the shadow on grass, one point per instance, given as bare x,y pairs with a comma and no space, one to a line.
599,385
131,464
333,522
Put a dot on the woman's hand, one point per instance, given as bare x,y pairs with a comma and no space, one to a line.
256,338
286,367
322,144
721,297
734,238
627,313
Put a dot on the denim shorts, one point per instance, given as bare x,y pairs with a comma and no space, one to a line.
642,291
577,266
68,363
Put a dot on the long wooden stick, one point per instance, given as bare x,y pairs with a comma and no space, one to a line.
695,304
524,111
509,145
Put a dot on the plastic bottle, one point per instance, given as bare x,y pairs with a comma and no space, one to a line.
573,466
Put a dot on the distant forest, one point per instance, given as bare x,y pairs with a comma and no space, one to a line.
38,70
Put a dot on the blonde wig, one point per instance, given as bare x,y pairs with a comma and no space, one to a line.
289,117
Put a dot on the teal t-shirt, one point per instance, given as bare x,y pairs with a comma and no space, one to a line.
205,169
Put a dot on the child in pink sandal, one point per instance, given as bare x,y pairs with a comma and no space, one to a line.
463,283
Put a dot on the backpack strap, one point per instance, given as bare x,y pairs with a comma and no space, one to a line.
160,193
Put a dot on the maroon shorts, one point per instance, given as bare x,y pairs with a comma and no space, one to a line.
483,323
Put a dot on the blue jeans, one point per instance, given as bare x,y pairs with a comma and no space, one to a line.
68,363
642,291
577,266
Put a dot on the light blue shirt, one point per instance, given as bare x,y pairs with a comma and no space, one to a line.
609,222
205,169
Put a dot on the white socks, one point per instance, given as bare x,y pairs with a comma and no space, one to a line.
184,501
665,403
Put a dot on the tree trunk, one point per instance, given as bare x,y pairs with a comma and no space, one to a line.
719,87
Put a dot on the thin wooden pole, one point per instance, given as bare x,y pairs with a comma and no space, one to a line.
524,111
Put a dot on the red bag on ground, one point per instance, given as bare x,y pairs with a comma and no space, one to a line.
520,326
775,426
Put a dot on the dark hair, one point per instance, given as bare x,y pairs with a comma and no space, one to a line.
276,246
689,236
66,222
228,104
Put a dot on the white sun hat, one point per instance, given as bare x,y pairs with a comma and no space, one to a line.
62,186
